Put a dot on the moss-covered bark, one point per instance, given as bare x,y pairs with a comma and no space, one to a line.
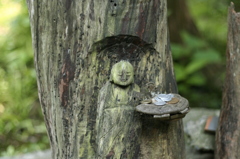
75,44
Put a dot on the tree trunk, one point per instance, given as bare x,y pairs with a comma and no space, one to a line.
76,44
228,135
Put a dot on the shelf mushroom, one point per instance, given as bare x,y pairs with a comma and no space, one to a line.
165,107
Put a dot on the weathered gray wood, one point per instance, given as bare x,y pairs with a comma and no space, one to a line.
71,40
228,134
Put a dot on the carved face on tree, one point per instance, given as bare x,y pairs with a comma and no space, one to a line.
122,73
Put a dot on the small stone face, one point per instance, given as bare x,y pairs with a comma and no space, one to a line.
122,73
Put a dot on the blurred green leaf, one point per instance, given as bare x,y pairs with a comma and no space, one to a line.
192,42
196,80
210,55
194,66
179,51
180,72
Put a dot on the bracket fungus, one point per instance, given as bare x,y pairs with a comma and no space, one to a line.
165,107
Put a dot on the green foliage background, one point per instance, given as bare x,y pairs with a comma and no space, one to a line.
198,62
22,127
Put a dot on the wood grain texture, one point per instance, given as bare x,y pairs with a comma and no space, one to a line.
69,40
228,134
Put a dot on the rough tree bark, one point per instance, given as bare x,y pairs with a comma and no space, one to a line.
228,135
75,44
